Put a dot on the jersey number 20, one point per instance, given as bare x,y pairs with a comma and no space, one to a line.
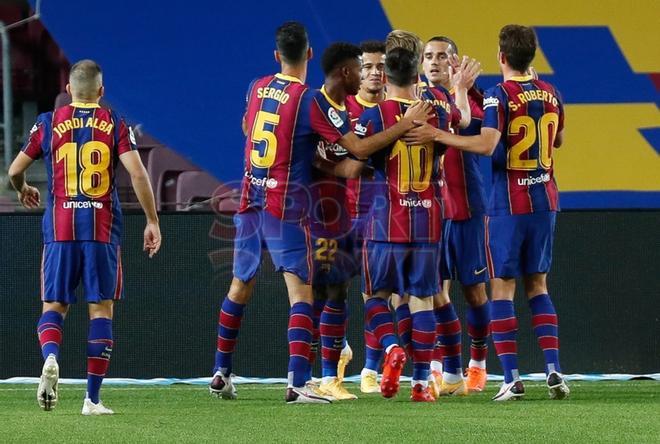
547,130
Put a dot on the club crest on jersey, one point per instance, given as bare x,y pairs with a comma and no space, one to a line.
334,118
34,128
131,136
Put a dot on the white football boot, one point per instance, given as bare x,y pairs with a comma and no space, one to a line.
91,409
222,386
47,390
557,388
514,390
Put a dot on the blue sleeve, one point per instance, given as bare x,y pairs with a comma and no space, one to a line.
494,102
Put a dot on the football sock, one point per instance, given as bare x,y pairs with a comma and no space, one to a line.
423,339
449,336
99,349
478,324
49,330
503,328
544,321
373,352
229,322
380,321
333,330
300,337
404,327
317,308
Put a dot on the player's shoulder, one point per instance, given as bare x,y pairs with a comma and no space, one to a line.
547,86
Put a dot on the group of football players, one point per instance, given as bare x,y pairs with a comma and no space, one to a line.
377,173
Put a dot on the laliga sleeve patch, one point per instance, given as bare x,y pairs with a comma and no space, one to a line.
334,118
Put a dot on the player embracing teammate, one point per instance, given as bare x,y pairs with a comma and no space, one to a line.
523,123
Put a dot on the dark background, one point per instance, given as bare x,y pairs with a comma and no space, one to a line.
604,283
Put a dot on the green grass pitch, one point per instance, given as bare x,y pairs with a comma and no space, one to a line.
596,412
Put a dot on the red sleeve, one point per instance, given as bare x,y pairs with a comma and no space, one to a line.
328,123
126,141
33,145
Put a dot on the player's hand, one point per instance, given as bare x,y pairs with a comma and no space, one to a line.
29,197
421,134
532,72
465,74
421,111
152,239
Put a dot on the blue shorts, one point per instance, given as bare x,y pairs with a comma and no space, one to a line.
464,251
520,244
334,260
289,245
64,264
403,268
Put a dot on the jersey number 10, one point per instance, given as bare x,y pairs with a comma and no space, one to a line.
547,131
94,160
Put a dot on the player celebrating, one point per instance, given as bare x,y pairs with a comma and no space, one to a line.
464,250
334,264
403,229
280,147
523,204
82,223
358,191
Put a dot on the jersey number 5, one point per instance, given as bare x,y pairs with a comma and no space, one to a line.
264,158
547,130
94,160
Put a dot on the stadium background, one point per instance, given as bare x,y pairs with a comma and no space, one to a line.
182,72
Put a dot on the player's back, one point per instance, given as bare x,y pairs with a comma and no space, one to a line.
278,156
529,114
406,202
81,143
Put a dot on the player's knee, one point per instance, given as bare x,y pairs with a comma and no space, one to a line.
240,292
441,299
475,295
103,309
535,284
59,307
337,293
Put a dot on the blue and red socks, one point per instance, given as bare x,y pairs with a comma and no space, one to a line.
380,321
300,338
99,349
503,328
317,309
478,324
373,352
404,327
333,331
544,321
449,336
423,339
229,322
49,330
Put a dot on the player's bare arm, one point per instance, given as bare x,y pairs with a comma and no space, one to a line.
484,143
142,186
559,139
27,195
463,78
347,168
363,148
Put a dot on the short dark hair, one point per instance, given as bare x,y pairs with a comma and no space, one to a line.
442,38
372,47
518,44
337,54
292,42
401,66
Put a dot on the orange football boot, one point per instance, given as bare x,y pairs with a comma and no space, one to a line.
476,379
419,393
392,368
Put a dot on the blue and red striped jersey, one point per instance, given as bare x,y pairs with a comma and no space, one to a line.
331,122
406,203
81,144
440,97
359,192
463,177
279,148
529,114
